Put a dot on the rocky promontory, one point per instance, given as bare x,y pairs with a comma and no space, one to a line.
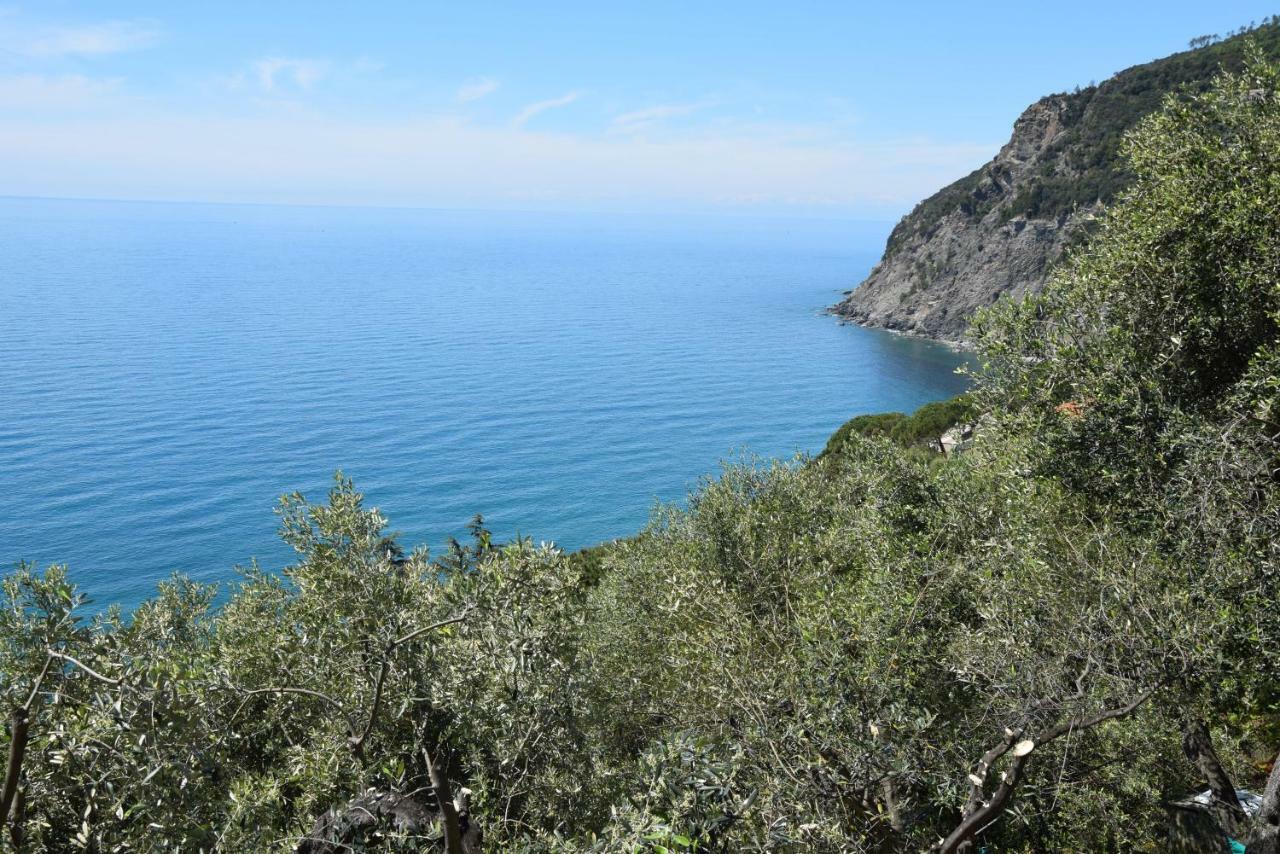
999,230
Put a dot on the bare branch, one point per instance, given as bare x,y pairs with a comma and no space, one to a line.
978,778
290,690
1270,811
1079,722
86,668
422,631
984,814
357,742
35,686
1265,838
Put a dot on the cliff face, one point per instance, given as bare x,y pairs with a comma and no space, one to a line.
936,273
999,230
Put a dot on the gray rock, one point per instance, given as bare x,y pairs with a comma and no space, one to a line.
938,271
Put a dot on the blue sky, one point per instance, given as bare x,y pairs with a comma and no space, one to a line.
848,109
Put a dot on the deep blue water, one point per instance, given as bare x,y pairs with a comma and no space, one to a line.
167,371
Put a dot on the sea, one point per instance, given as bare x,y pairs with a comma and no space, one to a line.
168,370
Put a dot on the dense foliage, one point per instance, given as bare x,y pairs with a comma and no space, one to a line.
1030,646
915,431
1085,164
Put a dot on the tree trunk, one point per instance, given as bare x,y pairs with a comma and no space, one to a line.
1266,834
891,804
19,723
448,810
1224,806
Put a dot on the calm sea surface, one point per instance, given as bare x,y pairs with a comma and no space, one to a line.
167,371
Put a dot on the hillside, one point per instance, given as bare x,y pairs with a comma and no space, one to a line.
1047,642
999,230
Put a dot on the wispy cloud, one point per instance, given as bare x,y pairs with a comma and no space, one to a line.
638,120
275,71
91,40
539,107
474,90
47,91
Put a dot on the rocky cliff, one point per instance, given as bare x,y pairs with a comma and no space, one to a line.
999,230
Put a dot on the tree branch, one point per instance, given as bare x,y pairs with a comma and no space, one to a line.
1270,811
289,690
440,625
35,686
1265,838
978,778
358,741
19,723
19,729
17,834
985,813
86,668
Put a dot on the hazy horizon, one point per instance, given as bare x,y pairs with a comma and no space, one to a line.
827,111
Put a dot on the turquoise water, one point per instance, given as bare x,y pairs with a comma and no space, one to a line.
167,371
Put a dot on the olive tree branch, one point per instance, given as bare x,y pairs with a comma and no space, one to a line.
446,804
19,729
86,668
384,667
977,813
440,625
291,690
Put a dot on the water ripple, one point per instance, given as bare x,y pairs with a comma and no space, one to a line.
168,370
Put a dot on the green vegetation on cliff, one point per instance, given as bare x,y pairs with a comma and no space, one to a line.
1098,118
1031,646
916,430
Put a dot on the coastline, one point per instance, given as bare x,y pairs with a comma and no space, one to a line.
959,346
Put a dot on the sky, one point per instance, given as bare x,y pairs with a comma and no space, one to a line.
846,109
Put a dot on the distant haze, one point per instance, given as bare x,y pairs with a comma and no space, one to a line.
828,108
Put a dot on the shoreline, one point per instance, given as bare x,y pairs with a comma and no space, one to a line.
959,346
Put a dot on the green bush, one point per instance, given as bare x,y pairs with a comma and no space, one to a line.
917,430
